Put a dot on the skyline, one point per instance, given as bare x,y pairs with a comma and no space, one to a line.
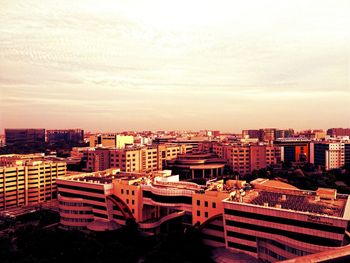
174,65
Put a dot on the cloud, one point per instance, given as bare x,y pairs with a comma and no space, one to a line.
135,61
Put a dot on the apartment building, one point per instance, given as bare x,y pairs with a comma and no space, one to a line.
28,180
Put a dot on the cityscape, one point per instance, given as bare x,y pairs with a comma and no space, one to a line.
174,131
261,195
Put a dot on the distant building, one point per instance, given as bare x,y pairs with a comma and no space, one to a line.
133,159
313,134
284,133
71,137
294,149
245,158
267,135
334,132
111,140
28,180
216,134
25,138
250,133
330,155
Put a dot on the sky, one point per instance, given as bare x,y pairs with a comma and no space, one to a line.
165,65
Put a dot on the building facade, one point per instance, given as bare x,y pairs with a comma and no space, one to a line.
275,225
133,159
264,220
28,181
334,132
294,149
245,158
71,137
329,155
25,138
111,140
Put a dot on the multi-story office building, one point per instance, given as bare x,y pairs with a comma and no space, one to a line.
28,180
262,156
111,140
99,200
330,155
334,132
133,159
278,224
270,221
25,138
245,158
294,149
71,137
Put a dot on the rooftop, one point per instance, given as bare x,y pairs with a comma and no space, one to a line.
102,177
321,202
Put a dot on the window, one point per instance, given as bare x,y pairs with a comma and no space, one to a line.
133,211
132,192
133,202
127,192
198,213
198,202
206,214
127,201
214,205
206,203
122,191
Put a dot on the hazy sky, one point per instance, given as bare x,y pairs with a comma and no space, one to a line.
147,65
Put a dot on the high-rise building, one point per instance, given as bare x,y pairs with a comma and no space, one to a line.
28,180
71,137
25,138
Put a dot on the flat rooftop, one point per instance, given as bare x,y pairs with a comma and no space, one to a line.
297,200
102,177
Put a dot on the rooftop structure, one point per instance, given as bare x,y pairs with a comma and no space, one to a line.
197,165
